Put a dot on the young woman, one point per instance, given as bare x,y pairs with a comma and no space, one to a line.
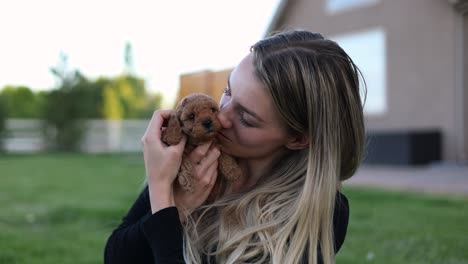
292,115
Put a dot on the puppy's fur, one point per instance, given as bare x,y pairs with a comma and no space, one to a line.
196,117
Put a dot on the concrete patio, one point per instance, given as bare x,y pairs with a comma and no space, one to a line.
438,178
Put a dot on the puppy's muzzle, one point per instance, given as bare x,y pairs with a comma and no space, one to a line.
207,123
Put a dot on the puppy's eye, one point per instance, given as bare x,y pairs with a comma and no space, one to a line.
191,116
213,110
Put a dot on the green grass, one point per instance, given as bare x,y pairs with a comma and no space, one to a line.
391,227
62,208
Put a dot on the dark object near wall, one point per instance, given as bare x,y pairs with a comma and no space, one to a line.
403,148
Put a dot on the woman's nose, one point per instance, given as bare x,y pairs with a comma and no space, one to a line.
224,119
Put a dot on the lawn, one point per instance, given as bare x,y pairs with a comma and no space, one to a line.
61,209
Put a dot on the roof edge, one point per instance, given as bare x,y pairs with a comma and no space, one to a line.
460,5
275,20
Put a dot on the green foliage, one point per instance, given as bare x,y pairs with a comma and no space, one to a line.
128,58
120,97
77,98
154,101
65,109
125,97
132,95
21,102
112,109
3,116
64,125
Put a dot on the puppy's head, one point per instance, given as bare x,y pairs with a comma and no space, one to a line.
197,115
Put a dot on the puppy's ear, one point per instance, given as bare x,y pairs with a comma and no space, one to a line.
173,133
182,103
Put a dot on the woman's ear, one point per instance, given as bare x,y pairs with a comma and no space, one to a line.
298,142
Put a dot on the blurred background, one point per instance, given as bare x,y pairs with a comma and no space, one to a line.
79,81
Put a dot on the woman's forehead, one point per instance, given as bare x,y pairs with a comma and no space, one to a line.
248,91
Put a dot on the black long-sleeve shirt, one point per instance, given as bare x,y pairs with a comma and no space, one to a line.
144,238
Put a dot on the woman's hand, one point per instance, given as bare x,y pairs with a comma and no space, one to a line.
162,162
205,172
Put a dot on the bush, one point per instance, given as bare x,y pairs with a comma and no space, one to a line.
64,125
3,116
20,102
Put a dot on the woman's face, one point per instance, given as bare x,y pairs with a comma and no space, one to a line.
252,128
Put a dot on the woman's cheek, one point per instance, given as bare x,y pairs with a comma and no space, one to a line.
244,138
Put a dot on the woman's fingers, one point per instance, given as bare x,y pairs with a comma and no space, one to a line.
162,162
156,122
210,160
205,178
212,174
199,153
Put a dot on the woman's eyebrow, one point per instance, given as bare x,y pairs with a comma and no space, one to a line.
248,111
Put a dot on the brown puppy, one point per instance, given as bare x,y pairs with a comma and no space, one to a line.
196,117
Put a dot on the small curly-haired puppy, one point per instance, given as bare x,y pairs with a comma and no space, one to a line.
196,117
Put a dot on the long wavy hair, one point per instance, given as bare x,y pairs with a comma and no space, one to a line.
288,216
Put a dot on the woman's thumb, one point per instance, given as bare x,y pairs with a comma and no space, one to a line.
181,144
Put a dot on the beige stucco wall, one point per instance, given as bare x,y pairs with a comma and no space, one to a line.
463,85
420,44
208,82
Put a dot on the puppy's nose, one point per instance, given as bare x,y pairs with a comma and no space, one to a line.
207,123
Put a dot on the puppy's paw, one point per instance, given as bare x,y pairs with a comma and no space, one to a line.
233,173
185,183
229,168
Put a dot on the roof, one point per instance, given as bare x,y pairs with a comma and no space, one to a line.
460,5
277,17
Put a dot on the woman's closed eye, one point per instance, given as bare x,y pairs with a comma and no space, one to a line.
241,112
243,121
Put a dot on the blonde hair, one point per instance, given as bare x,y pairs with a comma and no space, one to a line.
289,214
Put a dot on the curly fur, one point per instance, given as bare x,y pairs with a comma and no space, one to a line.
196,117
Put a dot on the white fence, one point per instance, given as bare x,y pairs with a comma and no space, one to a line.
25,136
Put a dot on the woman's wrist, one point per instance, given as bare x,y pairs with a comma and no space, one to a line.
161,196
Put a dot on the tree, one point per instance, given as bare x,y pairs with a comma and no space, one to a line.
132,98
112,108
128,58
20,102
65,109
153,102
3,115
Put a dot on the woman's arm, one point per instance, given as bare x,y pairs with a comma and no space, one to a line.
143,237
127,243
164,234
340,225
340,220
152,226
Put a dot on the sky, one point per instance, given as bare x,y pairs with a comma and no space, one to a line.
168,38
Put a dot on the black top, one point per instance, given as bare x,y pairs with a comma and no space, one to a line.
143,237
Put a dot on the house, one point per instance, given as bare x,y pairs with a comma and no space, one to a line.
414,58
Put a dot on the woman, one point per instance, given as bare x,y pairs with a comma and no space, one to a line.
293,117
